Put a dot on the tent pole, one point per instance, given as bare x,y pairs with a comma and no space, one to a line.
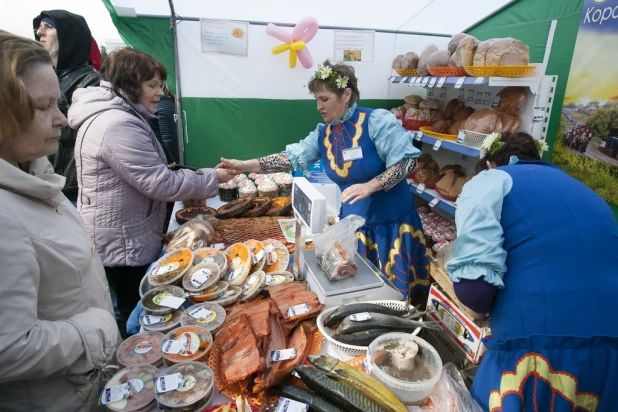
179,116
548,46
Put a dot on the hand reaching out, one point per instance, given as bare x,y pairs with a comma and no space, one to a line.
225,175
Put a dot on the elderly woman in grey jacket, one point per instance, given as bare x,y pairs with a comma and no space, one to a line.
122,172
57,330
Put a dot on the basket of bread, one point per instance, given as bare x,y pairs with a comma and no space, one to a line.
448,181
406,64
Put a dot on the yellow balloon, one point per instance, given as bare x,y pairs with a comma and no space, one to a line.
298,45
281,48
292,59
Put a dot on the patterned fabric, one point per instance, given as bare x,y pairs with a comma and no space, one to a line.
396,173
274,163
392,237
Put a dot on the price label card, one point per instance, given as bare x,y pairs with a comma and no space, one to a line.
462,94
115,394
460,82
419,134
360,317
539,114
418,80
171,302
168,383
200,313
437,145
294,373
355,153
165,269
443,91
152,319
218,246
496,101
486,98
288,405
479,98
479,80
434,202
258,256
420,188
461,136
441,81
281,355
173,346
482,154
199,277
470,95
432,81
298,310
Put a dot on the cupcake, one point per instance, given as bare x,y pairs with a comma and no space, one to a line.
284,181
228,191
254,176
262,179
247,188
240,178
268,189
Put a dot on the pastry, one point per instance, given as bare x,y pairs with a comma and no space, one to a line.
512,100
457,188
259,207
439,59
228,191
440,127
268,189
447,182
432,179
397,112
432,104
184,215
451,106
281,206
413,99
234,208
409,61
239,178
454,168
508,52
247,189
285,182
412,113
482,121
456,126
422,62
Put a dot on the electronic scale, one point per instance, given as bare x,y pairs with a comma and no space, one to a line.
310,212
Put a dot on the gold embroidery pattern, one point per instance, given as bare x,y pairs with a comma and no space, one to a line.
369,245
402,262
358,127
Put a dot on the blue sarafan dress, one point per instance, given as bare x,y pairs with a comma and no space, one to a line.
392,236
551,245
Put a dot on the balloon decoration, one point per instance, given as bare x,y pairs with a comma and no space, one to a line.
295,42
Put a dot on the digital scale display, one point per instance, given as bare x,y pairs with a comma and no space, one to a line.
302,205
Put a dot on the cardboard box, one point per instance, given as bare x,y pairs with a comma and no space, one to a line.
461,330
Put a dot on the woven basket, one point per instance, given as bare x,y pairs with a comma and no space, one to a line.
427,131
473,139
501,71
407,72
414,125
352,350
446,71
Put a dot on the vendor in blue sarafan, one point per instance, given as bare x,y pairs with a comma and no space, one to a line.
368,154
538,251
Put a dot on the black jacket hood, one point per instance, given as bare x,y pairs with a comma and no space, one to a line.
74,38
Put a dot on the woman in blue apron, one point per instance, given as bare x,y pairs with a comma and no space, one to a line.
538,251
368,154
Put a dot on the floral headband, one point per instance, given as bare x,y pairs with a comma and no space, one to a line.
332,78
492,144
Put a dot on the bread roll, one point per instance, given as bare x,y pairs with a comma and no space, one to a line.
449,122
440,127
516,123
508,52
422,62
411,113
397,62
482,121
439,59
463,113
451,106
452,45
432,104
409,61
413,99
451,60
507,122
457,188
480,55
396,111
512,100
456,126
446,183
464,55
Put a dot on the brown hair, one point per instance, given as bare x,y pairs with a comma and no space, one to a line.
128,68
316,85
18,56
519,144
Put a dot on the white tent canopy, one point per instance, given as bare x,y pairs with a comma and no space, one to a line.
424,16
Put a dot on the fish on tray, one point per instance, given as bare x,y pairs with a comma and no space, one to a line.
258,313
292,294
316,401
381,321
333,318
240,356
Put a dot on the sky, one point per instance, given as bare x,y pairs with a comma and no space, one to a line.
16,16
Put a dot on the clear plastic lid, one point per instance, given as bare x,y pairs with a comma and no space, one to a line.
212,255
253,285
160,323
141,381
152,299
195,390
278,278
170,268
186,343
207,315
201,277
141,349
231,296
213,292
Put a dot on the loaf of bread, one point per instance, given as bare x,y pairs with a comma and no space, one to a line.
412,113
464,55
446,183
413,99
462,113
452,61
480,56
397,112
409,61
482,121
440,127
457,188
451,106
508,52
455,168
516,123
439,59
456,126
397,62
512,100
449,122
432,104
422,62
452,45
507,122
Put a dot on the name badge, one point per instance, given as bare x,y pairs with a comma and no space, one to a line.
352,154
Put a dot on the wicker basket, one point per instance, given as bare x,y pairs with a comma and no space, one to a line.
351,350
501,71
473,139
407,72
446,71
427,131
414,125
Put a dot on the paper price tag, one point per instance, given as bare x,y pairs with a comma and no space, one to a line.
360,317
298,310
432,81
482,154
460,82
288,405
281,355
171,302
200,313
420,188
479,80
152,319
115,394
168,383
419,134
434,202
470,95
487,98
479,98
461,136
441,81
539,114
496,101
173,346
443,91
165,269
437,145
269,248
258,256
418,137
294,373
199,277
218,246
462,94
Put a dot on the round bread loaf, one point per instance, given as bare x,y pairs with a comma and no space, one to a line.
456,126
462,113
440,127
452,45
508,52
410,61
451,106
507,122
516,123
482,121
464,55
480,56
439,59
512,100
422,62
397,62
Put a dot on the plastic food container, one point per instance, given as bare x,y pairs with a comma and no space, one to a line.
193,343
213,292
277,278
195,392
152,299
231,296
253,285
142,385
141,349
170,268
211,255
215,316
200,277
409,386
164,324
